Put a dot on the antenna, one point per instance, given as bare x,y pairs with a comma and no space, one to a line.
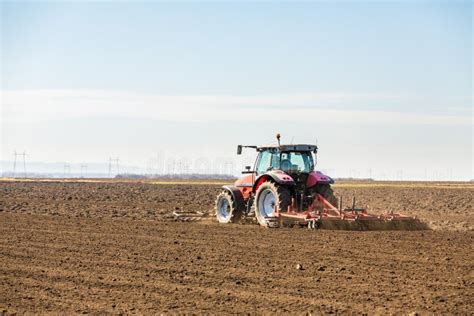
16,154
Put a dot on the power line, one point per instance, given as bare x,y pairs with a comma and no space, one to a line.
16,154
83,170
67,170
114,162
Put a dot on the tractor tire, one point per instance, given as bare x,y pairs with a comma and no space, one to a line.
269,195
326,191
226,210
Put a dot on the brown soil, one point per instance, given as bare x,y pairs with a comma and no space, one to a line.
110,247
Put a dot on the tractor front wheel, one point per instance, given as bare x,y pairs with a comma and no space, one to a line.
226,210
270,196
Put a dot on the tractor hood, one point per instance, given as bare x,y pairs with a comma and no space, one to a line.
317,177
281,177
310,179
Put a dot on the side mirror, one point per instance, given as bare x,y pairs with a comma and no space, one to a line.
247,170
239,149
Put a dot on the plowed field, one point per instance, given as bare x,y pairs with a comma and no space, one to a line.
92,247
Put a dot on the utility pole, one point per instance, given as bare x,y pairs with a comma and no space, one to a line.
14,164
67,169
160,162
113,161
83,170
228,166
16,154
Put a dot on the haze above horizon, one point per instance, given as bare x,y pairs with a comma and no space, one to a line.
383,88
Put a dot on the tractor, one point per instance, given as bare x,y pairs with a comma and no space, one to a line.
284,189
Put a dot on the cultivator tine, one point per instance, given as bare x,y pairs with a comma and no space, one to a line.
313,224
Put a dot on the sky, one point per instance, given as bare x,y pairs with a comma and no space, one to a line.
383,88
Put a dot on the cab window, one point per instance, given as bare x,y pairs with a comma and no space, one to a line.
296,162
263,162
275,160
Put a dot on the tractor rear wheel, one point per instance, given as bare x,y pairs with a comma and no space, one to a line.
226,210
268,197
326,191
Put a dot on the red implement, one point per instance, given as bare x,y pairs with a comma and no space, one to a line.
322,214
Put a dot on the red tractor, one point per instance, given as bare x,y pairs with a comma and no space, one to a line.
285,189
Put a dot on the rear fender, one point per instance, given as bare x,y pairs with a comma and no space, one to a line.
278,176
236,196
317,177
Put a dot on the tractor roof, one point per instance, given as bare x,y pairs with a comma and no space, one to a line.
295,147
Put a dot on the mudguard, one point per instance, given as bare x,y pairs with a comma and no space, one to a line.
278,176
236,195
317,177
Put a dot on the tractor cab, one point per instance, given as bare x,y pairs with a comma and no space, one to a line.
291,159
293,162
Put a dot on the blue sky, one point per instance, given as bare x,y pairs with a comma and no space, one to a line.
385,87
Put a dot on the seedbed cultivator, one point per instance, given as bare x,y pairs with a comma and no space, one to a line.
322,214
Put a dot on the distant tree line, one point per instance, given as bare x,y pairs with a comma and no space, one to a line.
187,176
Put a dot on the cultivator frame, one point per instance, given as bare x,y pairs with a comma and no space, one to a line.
322,214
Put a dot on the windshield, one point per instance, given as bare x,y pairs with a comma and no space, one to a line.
294,162
291,162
